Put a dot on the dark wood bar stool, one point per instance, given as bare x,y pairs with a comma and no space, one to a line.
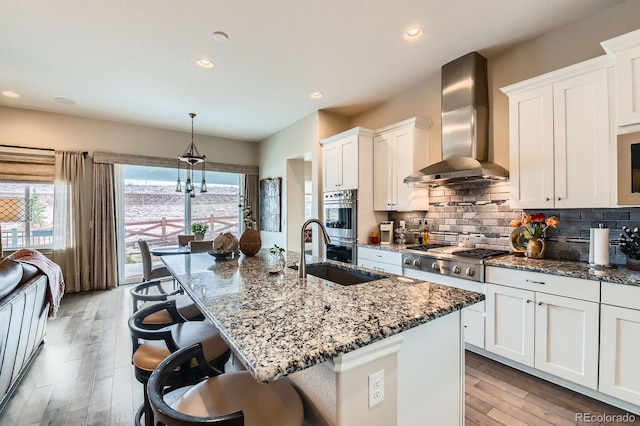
230,399
151,346
150,292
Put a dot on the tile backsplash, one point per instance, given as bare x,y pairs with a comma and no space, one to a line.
481,212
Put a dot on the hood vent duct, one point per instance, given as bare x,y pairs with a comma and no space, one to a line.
465,126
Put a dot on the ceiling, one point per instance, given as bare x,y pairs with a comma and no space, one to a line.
135,61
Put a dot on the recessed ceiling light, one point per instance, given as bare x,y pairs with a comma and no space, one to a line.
10,94
316,95
205,63
220,36
65,101
413,33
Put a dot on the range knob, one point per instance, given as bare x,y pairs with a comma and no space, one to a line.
470,271
417,263
407,261
456,269
435,266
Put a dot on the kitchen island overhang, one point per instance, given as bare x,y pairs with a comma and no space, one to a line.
278,325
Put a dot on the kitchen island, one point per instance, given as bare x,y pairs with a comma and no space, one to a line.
328,338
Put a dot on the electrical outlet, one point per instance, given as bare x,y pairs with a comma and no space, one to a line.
376,388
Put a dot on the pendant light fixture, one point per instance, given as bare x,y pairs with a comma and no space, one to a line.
191,157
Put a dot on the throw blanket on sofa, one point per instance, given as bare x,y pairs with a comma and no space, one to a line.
50,269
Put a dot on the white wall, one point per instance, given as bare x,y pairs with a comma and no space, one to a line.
66,132
565,46
300,141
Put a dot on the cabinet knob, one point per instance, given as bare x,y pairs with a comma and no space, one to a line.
529,301
547,199
559,198
539,303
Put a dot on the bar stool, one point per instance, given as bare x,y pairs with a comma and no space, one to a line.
153,292
150,346
149,272
229,399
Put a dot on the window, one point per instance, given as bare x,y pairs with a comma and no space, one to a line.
155,212
27,213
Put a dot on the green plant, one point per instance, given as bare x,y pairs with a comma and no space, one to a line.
248,217
276,249
199,228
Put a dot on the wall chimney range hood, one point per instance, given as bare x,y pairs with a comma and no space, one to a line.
465,127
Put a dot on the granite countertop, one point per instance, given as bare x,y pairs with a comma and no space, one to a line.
570,268
277,324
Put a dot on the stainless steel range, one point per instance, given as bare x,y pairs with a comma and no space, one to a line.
460,262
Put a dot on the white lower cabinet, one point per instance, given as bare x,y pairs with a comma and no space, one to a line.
380,260
620,342
553,333
510,323
566,338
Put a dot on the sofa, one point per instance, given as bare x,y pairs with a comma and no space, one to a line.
24,307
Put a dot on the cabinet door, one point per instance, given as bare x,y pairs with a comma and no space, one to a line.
403,151
473,321
332,166
628,81
581,141
619,349
382,188
566,338
510,323
349,163
531,148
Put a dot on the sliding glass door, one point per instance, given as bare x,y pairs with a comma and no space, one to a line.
150,209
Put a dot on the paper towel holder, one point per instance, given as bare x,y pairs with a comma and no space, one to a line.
592,264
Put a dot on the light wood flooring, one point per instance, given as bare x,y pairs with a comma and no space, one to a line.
83,376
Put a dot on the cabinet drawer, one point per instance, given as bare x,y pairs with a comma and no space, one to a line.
577,288
380,266
626,296
393,257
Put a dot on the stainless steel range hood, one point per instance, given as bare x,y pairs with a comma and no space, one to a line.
465,126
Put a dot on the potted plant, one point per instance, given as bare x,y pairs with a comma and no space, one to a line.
198,229
277,262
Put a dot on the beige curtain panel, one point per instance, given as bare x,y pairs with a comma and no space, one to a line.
252,195
104,273
72,207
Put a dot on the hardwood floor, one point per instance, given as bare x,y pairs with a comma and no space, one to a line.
83,376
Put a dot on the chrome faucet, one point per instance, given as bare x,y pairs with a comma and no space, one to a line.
302,265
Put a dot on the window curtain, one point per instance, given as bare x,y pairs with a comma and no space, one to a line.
104,273
72,207
252,196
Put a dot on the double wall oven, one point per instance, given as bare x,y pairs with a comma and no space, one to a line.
340,220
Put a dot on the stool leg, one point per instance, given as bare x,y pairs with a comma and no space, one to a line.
148,412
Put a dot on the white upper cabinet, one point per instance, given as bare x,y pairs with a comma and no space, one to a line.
626,50
342,158
559,138
399,150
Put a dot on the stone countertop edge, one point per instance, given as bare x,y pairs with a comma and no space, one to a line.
569,268
302,324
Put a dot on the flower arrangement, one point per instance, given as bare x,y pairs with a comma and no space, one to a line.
199,228
248,217
535,225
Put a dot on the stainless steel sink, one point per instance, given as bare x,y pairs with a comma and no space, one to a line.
339,275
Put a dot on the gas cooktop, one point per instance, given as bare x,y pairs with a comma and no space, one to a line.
461,262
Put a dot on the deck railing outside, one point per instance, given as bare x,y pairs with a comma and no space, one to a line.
162,231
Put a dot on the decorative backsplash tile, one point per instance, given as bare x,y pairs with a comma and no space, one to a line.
481,212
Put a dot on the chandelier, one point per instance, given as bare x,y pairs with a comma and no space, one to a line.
191,157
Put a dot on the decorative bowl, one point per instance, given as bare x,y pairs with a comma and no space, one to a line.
220,254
